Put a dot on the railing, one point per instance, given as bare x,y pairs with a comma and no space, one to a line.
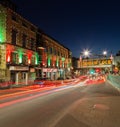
115,80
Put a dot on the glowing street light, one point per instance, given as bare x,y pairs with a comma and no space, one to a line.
104,53
86,53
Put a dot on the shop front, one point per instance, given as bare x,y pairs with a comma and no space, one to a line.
19,75
61,73
50,73
31,75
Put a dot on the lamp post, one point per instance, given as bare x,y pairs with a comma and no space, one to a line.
84,54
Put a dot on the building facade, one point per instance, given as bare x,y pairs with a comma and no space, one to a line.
54,58
25,51
17,46
116,64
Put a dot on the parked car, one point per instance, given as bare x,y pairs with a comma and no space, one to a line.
41,82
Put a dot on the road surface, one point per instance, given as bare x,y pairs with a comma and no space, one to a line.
91,105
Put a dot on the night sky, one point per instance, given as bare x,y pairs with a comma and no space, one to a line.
77,24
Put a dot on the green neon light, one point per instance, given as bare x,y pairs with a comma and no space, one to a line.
36,58
20,54
63,64
63,58
49,61
2,25
57,63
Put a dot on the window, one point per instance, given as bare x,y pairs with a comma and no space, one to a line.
14,36
14,17
58,53
24,40
33,60
51,50
32,43
32,29
14,58
40,58
24,24
54,51
24,59
47,49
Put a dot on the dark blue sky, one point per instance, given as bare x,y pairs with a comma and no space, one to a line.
77,24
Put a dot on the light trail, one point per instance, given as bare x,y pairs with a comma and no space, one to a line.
25,92
35,96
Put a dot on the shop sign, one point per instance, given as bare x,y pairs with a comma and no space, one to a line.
32,69
54,70
49,70
98,62
18,68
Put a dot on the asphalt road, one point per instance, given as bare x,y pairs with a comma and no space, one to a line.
64,107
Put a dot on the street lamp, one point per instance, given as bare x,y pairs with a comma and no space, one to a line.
104,53
86,53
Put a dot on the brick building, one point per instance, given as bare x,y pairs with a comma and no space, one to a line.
55,59
26,51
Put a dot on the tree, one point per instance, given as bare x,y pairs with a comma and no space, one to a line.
118,54
118,65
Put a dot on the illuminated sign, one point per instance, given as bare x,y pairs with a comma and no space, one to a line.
18,68
97,62
49,70
32,69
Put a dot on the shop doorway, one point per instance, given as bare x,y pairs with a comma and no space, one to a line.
13,76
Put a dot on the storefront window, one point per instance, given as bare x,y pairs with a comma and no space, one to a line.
24,59
33,60
14,58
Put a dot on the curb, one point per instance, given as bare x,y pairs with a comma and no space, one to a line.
113,85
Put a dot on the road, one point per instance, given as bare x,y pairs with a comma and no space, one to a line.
91,105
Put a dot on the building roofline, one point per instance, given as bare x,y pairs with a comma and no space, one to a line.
18,13
39,30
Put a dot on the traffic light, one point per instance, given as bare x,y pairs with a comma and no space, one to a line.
92,71
97,70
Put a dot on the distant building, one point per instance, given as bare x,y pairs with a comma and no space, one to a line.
116,64
76,66
116,60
